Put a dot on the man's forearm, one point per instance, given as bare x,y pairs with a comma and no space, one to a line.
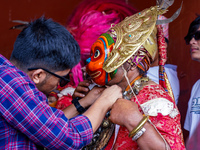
96,113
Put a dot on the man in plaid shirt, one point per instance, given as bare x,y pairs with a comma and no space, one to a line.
43,55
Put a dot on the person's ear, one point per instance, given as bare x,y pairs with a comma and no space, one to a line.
38,76
133,68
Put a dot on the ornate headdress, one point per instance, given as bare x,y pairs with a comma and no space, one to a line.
136,31
134,40
86,28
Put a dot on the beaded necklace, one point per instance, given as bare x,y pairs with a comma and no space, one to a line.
136,85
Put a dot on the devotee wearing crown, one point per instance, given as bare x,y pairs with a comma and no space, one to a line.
122,55
86,28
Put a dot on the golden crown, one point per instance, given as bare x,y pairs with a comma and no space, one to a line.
133,32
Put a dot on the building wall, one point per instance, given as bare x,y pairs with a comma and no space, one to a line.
26,10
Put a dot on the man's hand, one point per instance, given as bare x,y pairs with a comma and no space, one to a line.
92,96
110,95
102,105
125,113
82,89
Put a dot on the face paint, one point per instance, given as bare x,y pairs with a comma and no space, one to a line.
99,53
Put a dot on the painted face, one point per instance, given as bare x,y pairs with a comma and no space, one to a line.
99,53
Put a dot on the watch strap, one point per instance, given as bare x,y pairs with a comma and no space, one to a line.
78,106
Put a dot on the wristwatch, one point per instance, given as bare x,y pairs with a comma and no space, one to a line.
76,103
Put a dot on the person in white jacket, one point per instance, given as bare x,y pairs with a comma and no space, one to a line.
193,112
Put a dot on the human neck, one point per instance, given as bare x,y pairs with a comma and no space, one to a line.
130,76
16,64
135,86
132,82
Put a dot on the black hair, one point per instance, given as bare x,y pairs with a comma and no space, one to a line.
194,26
142,72
47,44
166,40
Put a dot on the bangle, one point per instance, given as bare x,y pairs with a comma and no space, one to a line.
79,108
139,126
138,134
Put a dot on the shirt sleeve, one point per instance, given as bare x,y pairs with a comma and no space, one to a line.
25,108
187,118
193,114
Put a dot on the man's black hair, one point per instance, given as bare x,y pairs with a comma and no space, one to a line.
166,40
194,26
142,72
47,44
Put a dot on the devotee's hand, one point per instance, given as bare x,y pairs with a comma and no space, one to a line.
82,89
110,95
125,113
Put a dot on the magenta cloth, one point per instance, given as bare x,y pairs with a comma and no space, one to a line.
91,19
164,26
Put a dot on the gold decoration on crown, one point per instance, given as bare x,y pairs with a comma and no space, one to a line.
130,34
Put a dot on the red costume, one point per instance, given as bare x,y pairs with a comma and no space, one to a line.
162,112
136,40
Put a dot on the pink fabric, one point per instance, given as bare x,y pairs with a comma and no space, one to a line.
169,127
77,74
90,19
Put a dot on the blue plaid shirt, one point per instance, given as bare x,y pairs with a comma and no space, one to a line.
28,122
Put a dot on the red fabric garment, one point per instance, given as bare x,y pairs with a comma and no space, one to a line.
162,57
161,46
169,127
64,101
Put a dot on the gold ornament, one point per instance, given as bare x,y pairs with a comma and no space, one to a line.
130,34
135,31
